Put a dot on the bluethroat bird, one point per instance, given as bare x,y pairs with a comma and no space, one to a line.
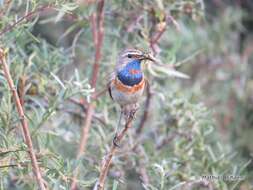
128,82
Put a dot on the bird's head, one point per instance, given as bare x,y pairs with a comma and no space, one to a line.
130,55
128,67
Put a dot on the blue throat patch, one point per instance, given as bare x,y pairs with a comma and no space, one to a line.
131,74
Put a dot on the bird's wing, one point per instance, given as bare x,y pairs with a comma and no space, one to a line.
109,89
107,86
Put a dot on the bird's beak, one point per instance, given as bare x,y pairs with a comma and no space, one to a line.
150,57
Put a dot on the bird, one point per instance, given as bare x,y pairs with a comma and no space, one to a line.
128,82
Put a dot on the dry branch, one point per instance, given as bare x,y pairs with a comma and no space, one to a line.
153,42
196,184
146,110
23,121
107,161
97,25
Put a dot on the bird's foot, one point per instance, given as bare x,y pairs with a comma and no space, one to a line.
116,141
132,113
129,111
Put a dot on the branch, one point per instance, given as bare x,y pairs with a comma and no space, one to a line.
138,149
196,184
98,36
28,140
153,42
4,7
158,35
141,167
27,16
154,39
97,24
146,110
173,135
107,161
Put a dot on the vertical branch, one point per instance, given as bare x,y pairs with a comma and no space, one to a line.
24,124
97,25
141,164
153,43
146,110
85,131
154,40
141,170
105,165
4,7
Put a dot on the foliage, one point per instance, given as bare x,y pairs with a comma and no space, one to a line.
50,55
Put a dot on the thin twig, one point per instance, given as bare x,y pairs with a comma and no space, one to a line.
83,142
157,36
82,115
196,184
152,43
171,137
4,7
27,16
146,110
23,121
97,24
154,39
141,169
107,161
98,38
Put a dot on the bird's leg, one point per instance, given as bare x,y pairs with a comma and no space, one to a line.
129,113
115,139
133,110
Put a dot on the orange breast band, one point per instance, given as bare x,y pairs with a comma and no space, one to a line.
128,89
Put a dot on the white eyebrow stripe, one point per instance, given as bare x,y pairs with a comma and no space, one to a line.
132,53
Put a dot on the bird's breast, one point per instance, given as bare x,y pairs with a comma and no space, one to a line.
129,89
124,94
130,77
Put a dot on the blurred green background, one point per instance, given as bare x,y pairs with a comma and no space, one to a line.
195,127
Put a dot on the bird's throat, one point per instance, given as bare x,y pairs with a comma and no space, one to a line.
131,74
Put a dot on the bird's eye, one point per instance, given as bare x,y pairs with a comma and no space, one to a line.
129,56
